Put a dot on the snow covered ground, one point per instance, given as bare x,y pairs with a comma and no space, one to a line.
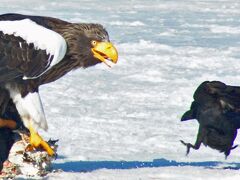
124,122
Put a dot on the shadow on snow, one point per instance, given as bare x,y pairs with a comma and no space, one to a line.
88,166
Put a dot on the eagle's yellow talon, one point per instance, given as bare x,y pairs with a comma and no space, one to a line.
37,141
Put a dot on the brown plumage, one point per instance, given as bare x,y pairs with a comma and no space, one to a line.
28,60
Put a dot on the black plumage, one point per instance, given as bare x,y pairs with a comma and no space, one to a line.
216,107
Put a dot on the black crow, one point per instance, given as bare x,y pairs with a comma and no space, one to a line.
216,107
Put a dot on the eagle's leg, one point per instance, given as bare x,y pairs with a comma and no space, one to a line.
8,123
37,141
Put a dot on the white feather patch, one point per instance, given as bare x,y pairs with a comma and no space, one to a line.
41,37
30,108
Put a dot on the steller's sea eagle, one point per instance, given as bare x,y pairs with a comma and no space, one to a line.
36,50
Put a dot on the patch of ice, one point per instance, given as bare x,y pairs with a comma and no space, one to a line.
124,23
225,29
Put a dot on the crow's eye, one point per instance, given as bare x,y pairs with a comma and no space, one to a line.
94,43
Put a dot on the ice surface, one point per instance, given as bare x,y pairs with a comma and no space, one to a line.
132,112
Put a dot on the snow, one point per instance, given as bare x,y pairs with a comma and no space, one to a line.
109,121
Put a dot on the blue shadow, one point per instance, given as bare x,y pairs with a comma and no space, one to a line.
88,166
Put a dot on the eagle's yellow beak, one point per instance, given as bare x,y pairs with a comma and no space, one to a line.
105,51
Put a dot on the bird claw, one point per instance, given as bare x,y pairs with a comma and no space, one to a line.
188,145
233,147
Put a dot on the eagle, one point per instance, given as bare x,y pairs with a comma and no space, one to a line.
35,50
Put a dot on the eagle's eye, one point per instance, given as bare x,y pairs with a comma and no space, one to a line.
94,43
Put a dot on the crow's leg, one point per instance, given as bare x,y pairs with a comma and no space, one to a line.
196,146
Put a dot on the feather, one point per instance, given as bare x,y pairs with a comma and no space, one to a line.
41,37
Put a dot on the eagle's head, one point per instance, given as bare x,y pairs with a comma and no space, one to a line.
89,44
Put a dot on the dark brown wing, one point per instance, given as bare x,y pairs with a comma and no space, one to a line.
24,53
18,58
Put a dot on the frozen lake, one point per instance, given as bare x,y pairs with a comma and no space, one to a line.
128,116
